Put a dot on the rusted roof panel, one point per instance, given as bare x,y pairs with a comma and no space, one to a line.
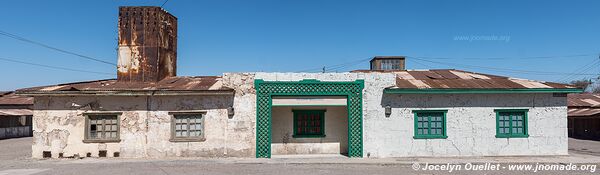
584,100
9,98
583,112
446,74
405,83
583,105
418,75
15,112
458,79
196,83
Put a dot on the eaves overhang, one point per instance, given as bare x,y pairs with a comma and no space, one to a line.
126,93
479,91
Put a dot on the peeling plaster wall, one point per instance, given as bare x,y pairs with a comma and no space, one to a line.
242,126
145,124
59,125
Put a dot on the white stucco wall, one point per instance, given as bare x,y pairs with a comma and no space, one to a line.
59,126
334,142
470,120
471,126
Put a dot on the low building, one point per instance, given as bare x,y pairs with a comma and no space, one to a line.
15,115
584,116
386,111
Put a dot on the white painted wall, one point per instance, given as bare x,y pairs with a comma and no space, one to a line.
471,126
334,142
59,127
470,123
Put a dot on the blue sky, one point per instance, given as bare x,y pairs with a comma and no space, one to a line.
217,36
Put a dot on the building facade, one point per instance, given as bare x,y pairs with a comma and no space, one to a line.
15,115
262,114
584,116
148,111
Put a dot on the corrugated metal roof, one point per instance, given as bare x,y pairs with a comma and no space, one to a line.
196,83
584,100
15,112
583,105
9,98
583,112
458,79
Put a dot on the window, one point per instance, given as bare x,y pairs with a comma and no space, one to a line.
188,127
430,124
102,128
390,64
309,123
511,123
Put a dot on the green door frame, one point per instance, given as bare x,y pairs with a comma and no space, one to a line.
265,90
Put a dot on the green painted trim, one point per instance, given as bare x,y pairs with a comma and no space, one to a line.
305,105
309,136
310,81
313,110
431,110
264,103
511,110
525,124
512,136
429,136
298,111
479,91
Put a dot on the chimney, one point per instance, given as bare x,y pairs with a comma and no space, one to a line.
388,63
147,44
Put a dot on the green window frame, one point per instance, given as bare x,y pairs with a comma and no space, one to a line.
430,124
102,128
309,123
511,123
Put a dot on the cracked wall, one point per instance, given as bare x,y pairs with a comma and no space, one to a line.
145,124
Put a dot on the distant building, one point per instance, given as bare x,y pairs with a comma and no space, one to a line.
387,111
15,115
584,116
